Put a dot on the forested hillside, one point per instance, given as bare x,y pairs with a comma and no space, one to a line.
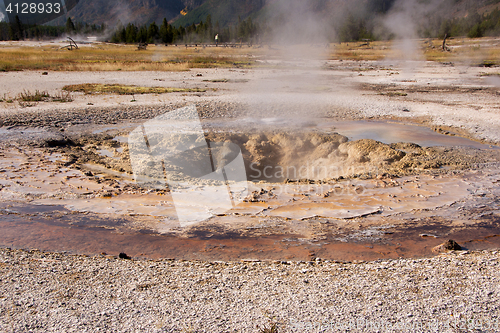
268,21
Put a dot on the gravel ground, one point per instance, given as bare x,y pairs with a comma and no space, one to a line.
109,115
465,99
454,292
52,292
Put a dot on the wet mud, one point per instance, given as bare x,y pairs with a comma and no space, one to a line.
313,192
90,234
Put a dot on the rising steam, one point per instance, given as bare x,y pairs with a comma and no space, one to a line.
297,21
297,41
2,15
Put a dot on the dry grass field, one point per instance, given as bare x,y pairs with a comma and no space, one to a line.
113,57
90,88
479,51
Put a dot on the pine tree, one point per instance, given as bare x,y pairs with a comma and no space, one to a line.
70,27
209,28
153,33
142,36
131,34
16,30
166,34
170,34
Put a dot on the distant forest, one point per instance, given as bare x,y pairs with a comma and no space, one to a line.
19,31
473,26
204,32
351,28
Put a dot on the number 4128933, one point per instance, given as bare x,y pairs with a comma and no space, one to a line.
33,8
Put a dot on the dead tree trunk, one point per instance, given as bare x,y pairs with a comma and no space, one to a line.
70,46
445,48
71,40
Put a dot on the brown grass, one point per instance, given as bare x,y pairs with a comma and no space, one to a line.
43,96
273,328
113,57
37,96
477,51
360,51
90,88
427,49
27,98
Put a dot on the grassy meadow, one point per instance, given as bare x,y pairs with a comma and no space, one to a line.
114,57
477,51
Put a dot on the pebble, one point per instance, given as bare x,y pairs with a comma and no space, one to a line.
55,292
111,115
